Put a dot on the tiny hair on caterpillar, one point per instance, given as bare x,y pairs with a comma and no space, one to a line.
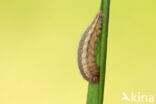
87,51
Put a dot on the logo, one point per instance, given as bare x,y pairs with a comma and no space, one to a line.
137,98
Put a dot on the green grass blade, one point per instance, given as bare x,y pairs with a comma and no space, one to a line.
105,20
96,91
93,94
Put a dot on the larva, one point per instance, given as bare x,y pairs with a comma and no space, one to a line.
86,50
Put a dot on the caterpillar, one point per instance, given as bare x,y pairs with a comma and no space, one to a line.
86,50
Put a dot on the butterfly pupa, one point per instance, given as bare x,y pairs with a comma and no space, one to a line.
87,51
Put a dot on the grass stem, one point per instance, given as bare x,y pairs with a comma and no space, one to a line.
96,91
105,4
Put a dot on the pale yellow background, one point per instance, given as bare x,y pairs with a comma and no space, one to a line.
38,48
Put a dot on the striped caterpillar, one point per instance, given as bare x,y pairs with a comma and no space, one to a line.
86,50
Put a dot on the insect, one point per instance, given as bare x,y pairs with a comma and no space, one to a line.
86,50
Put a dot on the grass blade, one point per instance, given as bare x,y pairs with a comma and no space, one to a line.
105,20
96,91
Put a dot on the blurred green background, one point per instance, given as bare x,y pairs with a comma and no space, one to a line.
38,50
